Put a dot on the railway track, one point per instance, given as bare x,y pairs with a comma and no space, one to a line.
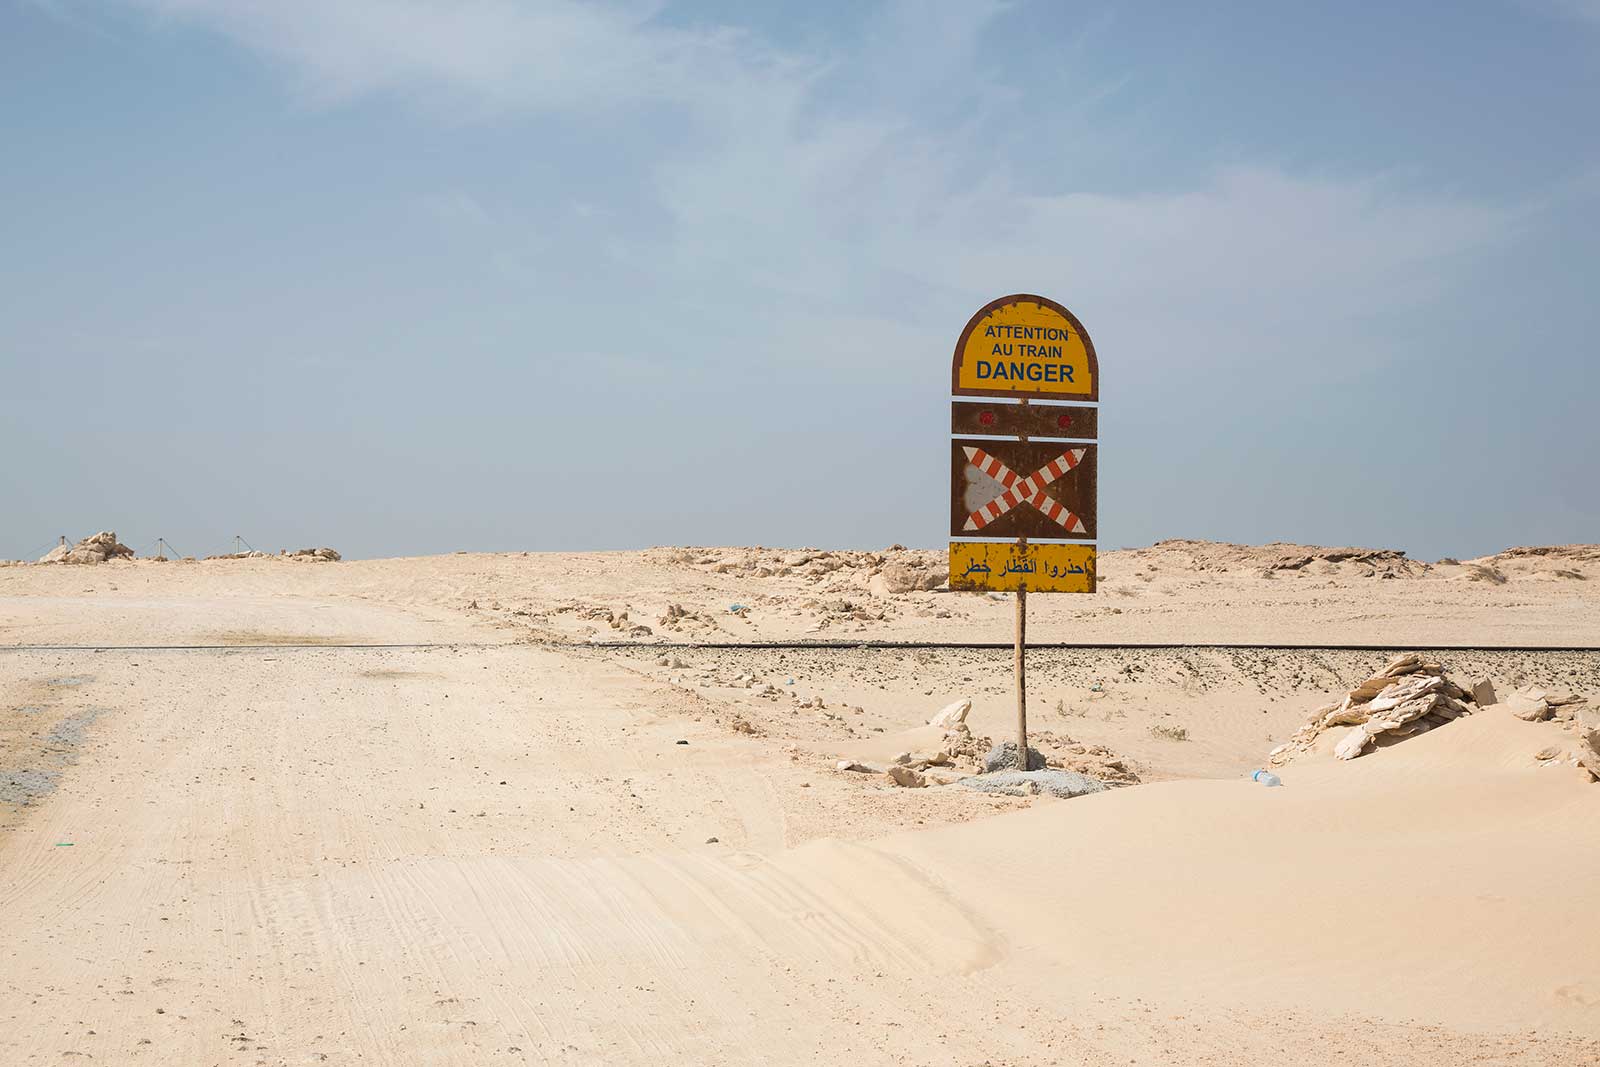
757,646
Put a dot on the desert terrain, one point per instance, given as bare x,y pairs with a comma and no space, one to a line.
597,808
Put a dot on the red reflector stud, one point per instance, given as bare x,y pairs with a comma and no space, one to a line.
1064,421
986,418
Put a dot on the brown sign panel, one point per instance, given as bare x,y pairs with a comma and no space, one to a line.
1017,420
1007,489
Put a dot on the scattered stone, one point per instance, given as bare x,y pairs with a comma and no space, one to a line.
861,768
905,777
1564,705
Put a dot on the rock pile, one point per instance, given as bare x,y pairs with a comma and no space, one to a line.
315,555
679,618
899,577
97,549
941,766
1279,556
893,572
1061,768
1412,696
1570,711
1409,696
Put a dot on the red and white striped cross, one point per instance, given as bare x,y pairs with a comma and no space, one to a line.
1029,489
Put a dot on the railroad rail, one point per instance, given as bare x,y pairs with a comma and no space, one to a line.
758,646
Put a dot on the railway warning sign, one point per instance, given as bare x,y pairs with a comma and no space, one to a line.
1010,567
1025,346
1023,465
1041,489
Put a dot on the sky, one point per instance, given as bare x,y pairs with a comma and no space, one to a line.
408,276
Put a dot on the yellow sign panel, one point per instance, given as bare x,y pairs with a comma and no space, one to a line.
1025,345
1008,567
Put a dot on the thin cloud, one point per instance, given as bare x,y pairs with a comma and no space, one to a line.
797,180
554,55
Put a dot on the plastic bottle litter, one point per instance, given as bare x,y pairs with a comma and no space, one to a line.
1266,778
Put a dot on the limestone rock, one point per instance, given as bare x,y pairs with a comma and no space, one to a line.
317,555
943,775
904,776
898,578
1409,663
1409,696
949,716
1528,705
1353,743
1483,693
860,768
1588,724
1369,689
97,549
1404,692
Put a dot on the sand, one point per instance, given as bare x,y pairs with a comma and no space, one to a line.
284,852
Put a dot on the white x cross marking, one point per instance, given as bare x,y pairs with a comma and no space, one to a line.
1030,489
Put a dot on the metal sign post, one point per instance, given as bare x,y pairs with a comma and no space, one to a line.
1019,657
1023,470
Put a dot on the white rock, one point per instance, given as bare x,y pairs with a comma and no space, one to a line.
862,768
1353,743
1526,706
951,715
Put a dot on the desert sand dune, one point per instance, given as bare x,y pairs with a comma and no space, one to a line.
529,852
